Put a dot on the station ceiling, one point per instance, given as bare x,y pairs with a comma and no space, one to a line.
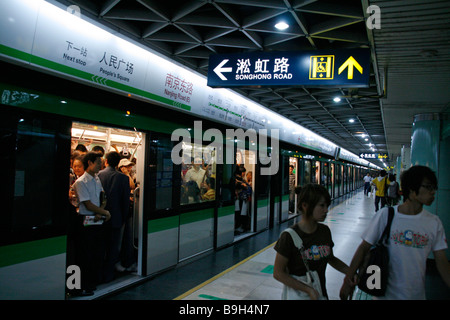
410,70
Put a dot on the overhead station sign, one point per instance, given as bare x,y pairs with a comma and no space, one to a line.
335,68
379,156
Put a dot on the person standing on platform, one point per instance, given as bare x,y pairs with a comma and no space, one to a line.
117,188
367,180
415,233
313,201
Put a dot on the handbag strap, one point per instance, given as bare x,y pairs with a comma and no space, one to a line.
298,242
387,229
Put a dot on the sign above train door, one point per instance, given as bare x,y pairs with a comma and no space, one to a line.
322,68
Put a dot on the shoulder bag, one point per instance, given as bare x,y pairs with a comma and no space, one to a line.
311,278
377,256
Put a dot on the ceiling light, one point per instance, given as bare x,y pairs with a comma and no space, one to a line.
282,25
337,99
351,120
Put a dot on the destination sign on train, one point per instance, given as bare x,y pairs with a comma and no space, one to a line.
321,68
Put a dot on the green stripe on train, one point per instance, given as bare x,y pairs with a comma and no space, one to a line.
185,218
32,250
14,53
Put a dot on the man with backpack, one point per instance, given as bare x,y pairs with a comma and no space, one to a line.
414,234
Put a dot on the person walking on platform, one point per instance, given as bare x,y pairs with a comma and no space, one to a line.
367,180
392,192
318,245
414,234
380,183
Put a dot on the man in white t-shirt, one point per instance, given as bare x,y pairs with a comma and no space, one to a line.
367,179
415,233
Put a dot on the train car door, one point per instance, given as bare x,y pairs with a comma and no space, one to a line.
245,199
197,199
130,144
162,219
262,198
333,181
293,183
35,153
337,180
284,188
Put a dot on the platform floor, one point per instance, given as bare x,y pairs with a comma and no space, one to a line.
243,271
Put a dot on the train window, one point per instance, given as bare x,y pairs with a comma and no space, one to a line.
34,189
198,174
162,147
307,173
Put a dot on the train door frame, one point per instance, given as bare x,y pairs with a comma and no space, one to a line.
284,188
262,198
292,195
307,176
317,172
332,173
246,225
136,228
338,179
197,225
161,222
33,247
225,217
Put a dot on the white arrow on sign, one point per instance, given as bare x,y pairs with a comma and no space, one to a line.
218,70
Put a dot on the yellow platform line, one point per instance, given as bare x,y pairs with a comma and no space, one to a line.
184,295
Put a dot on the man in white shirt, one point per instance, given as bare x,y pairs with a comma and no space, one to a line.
91,242
367,179
196,173
415,233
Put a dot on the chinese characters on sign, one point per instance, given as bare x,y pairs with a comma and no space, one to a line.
114,62
374,156
118,64
263,69
71,56
336,68
110,65
178,89
16,98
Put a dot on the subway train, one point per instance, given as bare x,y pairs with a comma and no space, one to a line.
170,124
44,117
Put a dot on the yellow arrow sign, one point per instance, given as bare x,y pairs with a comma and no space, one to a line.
350,63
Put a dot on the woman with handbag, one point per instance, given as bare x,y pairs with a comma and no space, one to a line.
304,251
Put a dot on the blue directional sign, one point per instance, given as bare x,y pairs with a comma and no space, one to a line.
335,68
